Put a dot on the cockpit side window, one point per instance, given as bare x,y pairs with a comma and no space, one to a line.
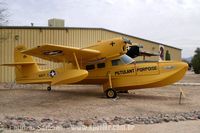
101,65
116,62
124,59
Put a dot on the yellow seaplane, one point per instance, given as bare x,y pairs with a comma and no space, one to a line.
109,63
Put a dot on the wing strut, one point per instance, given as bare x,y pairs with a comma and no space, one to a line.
110,80
75,58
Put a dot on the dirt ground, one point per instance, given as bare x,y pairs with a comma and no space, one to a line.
80,101
88,101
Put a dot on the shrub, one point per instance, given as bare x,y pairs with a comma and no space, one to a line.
196,61
167,55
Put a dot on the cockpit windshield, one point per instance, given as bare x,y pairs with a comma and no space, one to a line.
126,59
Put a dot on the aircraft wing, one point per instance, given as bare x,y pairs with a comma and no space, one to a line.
59,53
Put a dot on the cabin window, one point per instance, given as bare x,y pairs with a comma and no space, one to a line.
90,67
116,62
101,65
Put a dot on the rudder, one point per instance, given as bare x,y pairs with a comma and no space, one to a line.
25,64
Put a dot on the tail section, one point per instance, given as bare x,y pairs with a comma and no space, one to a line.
19,57
24,65
27,66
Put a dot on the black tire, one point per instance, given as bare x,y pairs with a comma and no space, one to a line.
111,93
49,88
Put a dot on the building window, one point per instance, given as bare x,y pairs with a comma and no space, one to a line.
101,65
90,67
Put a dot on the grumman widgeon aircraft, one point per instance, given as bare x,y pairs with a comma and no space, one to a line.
108,63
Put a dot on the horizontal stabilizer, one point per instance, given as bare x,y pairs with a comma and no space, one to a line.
21,63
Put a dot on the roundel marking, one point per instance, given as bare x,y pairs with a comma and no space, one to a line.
52,73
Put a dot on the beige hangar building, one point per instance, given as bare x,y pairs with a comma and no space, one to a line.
32,36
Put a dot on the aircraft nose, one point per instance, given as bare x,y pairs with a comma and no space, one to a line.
184,65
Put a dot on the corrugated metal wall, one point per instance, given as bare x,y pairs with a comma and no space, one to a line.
77,37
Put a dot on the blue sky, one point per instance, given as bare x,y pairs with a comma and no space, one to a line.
175,22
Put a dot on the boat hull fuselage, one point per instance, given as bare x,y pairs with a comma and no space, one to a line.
138,75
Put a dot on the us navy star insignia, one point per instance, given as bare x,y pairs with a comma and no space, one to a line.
52,73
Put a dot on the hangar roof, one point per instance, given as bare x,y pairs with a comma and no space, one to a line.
46,27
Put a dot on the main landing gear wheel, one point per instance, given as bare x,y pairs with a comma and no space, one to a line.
110,93
49,88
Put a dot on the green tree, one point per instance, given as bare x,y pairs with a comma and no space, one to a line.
196,61
167,55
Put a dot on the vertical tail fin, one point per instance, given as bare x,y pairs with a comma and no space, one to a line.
25,66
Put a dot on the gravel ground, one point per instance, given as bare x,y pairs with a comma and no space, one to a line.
32,124
68,106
